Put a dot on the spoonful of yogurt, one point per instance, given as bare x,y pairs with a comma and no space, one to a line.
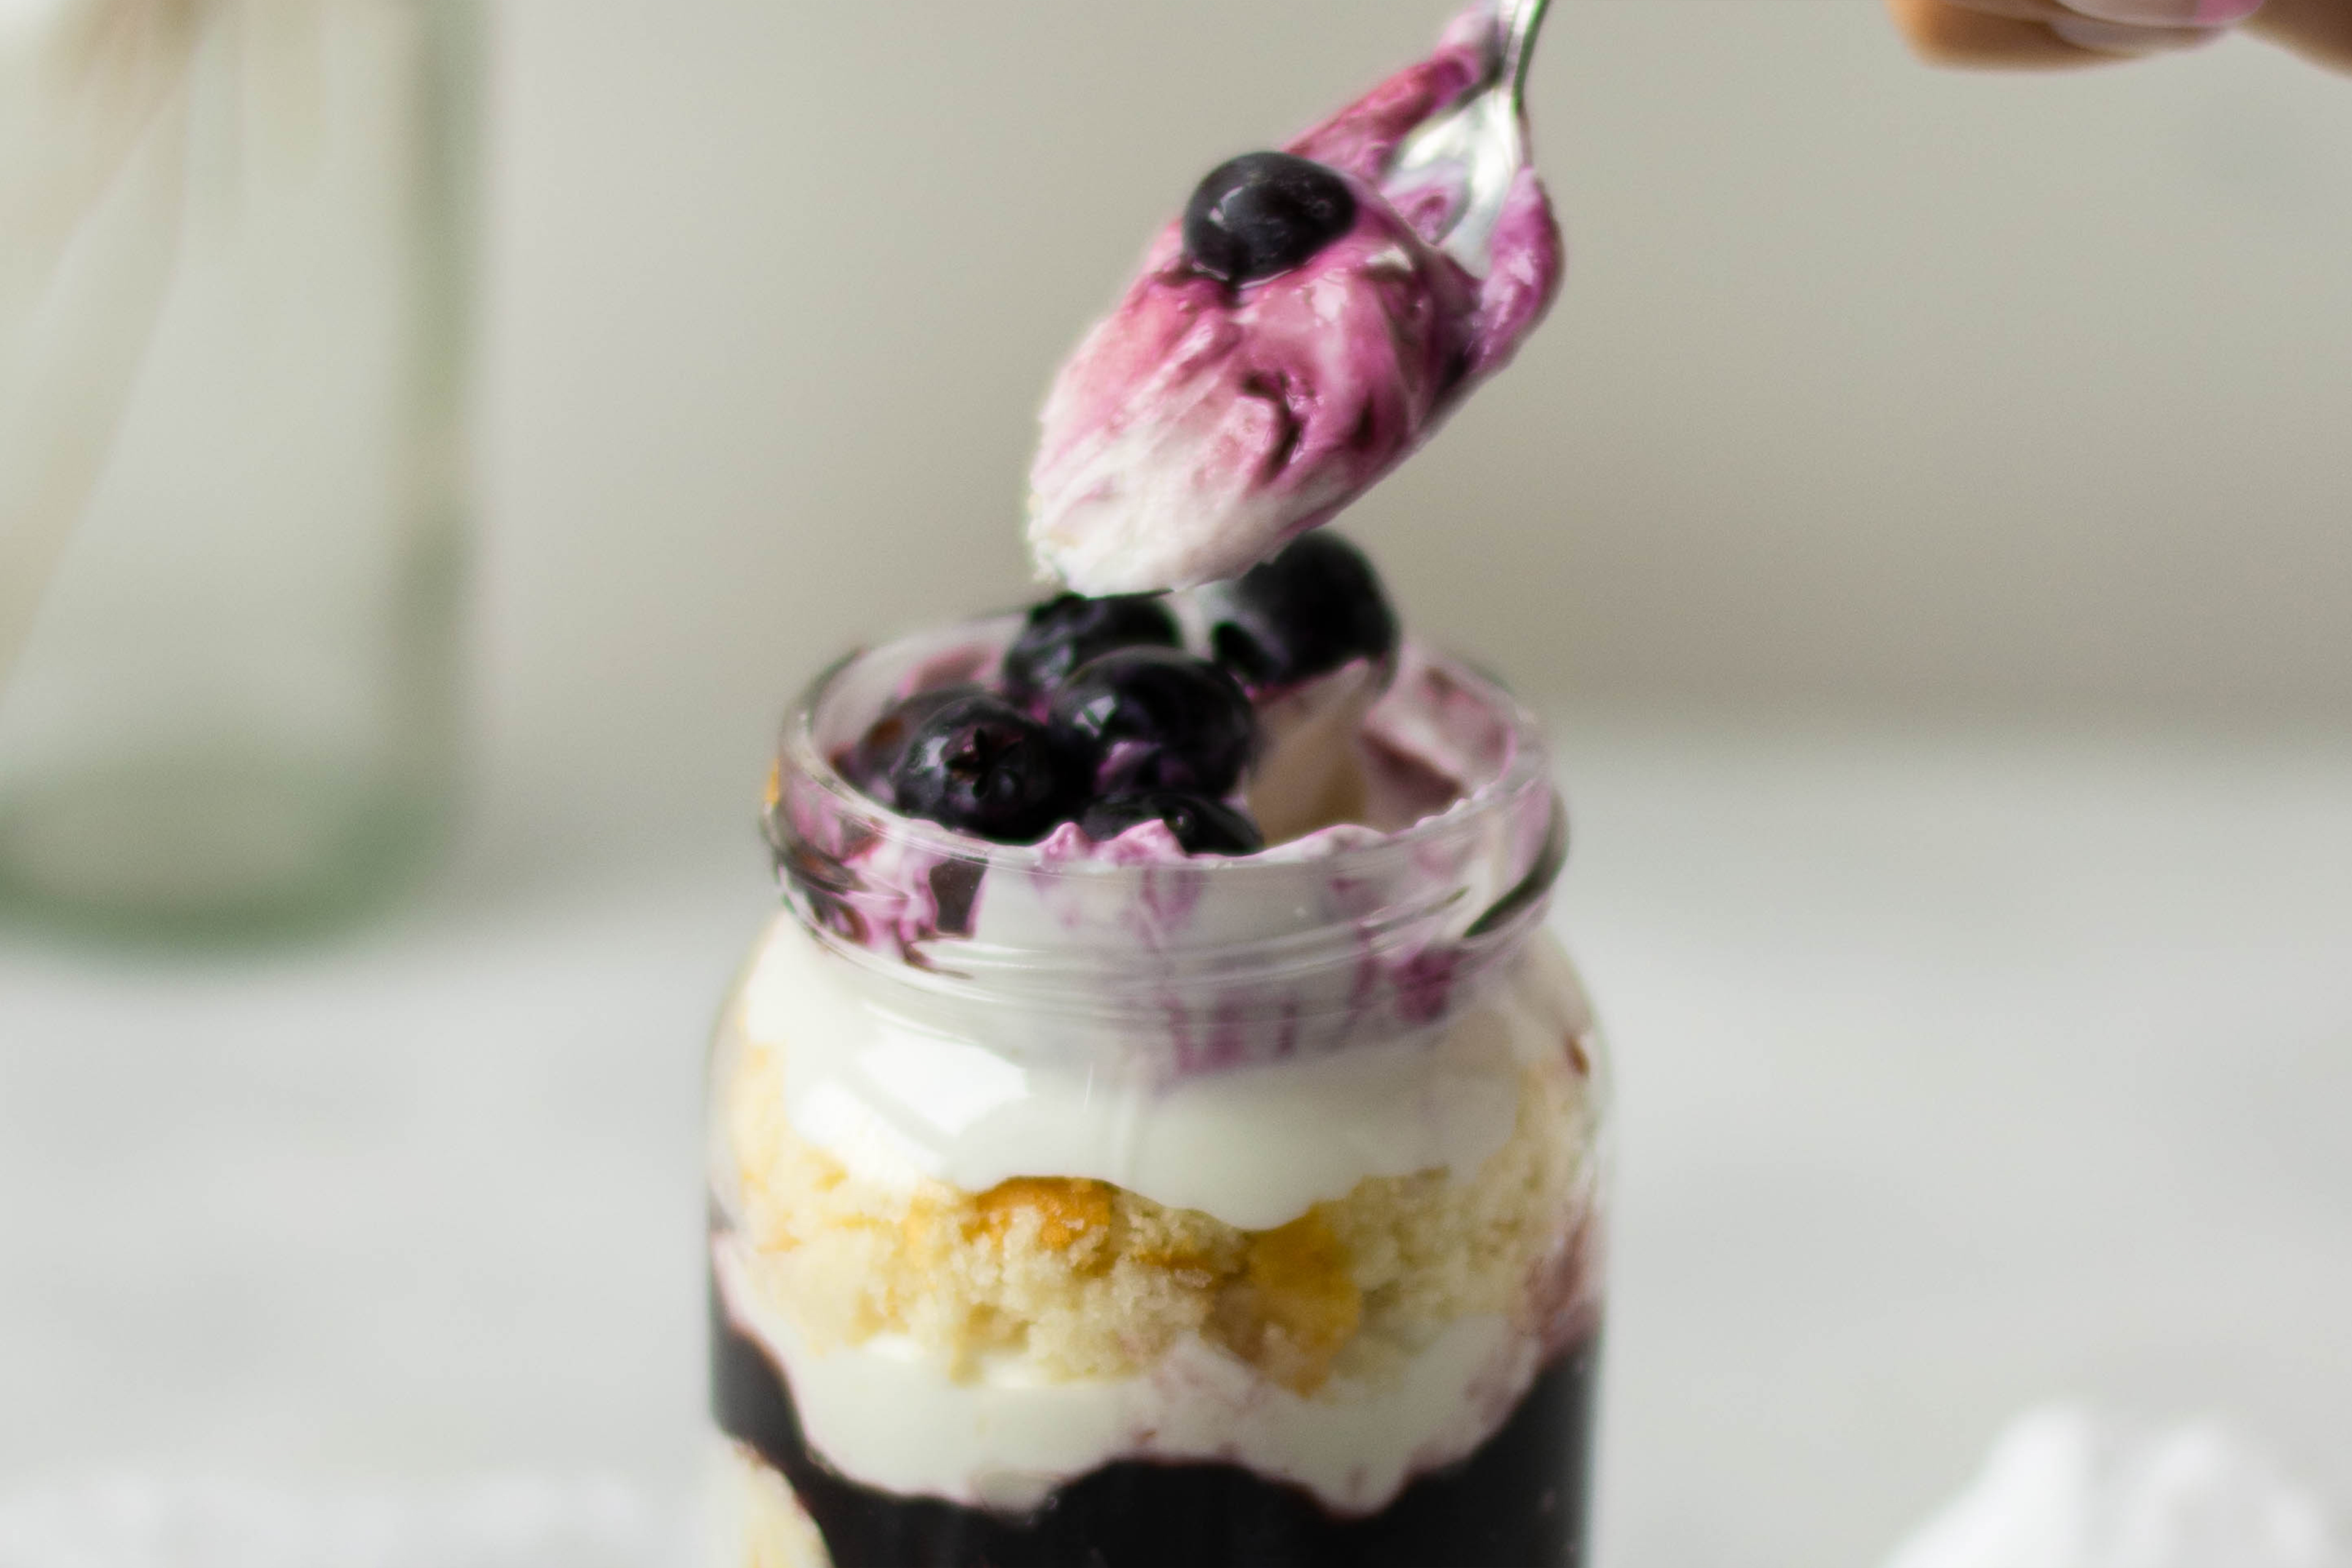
1307,322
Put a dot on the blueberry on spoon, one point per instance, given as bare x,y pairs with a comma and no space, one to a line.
980,766
1063,633
1154,719
1264,213
1202,826
1308,610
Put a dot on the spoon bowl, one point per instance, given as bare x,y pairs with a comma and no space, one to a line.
1473,151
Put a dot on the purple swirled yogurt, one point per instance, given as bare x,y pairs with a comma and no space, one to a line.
1211,417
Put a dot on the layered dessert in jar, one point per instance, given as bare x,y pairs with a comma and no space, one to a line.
1158,1129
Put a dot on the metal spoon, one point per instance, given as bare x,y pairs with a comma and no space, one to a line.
1480,144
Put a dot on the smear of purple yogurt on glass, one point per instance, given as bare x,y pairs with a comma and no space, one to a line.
1201,425
1392,920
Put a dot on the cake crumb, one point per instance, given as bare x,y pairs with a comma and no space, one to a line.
1082,1278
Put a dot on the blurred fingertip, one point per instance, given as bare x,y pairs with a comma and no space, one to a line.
1953,36
2123,38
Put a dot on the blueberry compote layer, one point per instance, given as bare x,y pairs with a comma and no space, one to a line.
1519,1500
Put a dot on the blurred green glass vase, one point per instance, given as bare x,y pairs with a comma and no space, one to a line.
234,278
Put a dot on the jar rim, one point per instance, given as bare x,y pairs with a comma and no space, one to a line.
1068,947
1525,772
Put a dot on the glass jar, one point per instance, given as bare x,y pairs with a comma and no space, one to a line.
232,464
1071,1204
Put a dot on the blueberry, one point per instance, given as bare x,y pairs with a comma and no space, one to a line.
1264,213
1153,719
1062,634
1202,826
979,764
867,763
1310,609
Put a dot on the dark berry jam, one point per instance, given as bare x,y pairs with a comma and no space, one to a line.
1517,1501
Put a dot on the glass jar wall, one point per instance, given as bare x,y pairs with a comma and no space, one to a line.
1073,1205
233,498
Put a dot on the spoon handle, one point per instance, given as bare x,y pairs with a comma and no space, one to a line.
1518,21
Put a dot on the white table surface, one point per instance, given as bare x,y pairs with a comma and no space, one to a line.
1956,1072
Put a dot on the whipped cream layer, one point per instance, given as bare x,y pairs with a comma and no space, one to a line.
1202,423
755,1521
889,1417
894,1100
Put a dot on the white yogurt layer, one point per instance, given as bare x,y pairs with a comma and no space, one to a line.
1256,1146
887,1415
754,1519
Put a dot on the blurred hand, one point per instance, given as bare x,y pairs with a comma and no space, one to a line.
2085,32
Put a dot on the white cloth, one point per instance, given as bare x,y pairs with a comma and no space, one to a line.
2062,1489
2065,1488
145,1521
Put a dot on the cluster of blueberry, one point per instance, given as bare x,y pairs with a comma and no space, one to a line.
1097,715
